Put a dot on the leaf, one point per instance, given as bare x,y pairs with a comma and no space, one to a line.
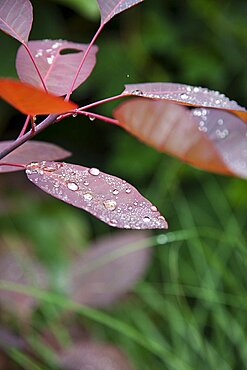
31,100
18,266
57,70
211,139
109,268
107,197
92,355
16,17
186,95
110,8
31,151
86,8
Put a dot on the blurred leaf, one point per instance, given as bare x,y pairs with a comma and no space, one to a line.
86,8
110,8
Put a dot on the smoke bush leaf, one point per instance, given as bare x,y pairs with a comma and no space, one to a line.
186,95
31,151
107,197
92,355
57,69
211,139
109,268
16,17
31,100
110,8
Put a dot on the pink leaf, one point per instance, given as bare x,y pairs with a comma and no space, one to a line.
17,266
109,198
109,269
91,355
31,151
16,17
110,8
211,139
186,95
57,70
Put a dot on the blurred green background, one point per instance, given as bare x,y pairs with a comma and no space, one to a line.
191,305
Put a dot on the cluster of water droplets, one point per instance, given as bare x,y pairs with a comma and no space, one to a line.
107,197
228,133
183,93
50,52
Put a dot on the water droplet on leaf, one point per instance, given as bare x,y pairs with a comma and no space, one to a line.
110,204
94,171
72,186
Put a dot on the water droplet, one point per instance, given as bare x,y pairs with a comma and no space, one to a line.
74,115
50,59
87,196
72,186
135,203
126,226
94,171
115,192
110,204
146,219
161,218
130,208
162,239
196,89
217,101
49,168
91,118
128,190
113,222
154,209
220,121
86,183
184,96
127,76
137,92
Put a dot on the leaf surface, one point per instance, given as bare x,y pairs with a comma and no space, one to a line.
92,355
109,268
110,8
16,17
211,139
107,197
57,70
186,95
31,151
31,100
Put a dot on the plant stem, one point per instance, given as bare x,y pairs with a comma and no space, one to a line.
24,127
35,65
106,100
99,116
12,164
83,60
21,140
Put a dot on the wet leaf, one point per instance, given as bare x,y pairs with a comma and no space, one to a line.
186,95
57,69
109,268
31,100
95,356
31,151
16,18
107,197
211,139
110,8
18,266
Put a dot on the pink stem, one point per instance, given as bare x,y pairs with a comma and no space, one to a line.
35,65
101,102
83,60
25,126
99,116
12,164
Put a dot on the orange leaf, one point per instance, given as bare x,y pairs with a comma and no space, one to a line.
31,100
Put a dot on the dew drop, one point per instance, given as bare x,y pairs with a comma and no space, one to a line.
162,239
153,209
86,183
110,204
50,59
128,190
87,196
115,192
184,96
94,171
72,186
146,219
130,208
220,121
74,115
196,89
91,118
113,222
137,92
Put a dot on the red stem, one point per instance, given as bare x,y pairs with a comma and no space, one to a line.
25,126
99,116
106,100
12,164
83,60
35,65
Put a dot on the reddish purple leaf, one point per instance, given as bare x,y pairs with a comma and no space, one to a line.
186,95
17,266
110,8
16,17
109,268
95,356
107,197
57,70
31,151
211,139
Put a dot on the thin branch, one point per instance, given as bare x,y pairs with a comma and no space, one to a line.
106,100
99,116
83,60
25,126
12,164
